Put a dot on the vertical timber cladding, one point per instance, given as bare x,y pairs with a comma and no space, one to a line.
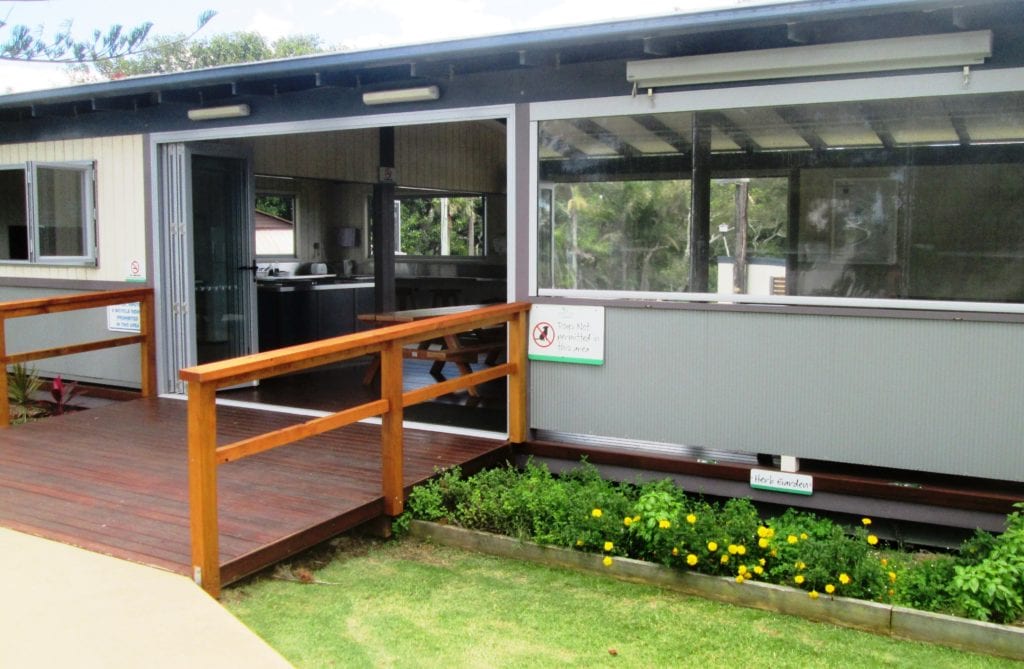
904,393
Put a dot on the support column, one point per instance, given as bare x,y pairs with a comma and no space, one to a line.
384,226
700,205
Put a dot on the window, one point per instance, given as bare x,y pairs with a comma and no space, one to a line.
49,215
441,225
918,199
275,225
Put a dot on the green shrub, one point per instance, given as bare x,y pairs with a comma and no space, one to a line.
659,522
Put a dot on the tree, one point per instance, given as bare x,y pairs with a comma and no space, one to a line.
177,53
25,44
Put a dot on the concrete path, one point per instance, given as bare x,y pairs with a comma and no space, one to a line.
62,606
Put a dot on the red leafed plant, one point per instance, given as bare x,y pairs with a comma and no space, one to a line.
62,392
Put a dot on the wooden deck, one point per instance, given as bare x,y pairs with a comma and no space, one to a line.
115,480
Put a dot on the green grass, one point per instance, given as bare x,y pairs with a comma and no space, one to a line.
411,604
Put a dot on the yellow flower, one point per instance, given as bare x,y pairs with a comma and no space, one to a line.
607,561
691,559
691,519
844,578
741,549
762,543
740,579
664,524
758,570
762,562
829,588
608,546
675,551
771,533
725,559
891,592
579,542
627,521
803,535
774,553
800,565
872,539
798,579
792,539
762,531
596,513
885,563
742,570
865,521
813,594
636,518
712,546
733,549
892,577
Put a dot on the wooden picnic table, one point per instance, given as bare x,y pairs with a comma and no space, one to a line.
461,349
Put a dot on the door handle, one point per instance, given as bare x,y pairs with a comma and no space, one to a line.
252,268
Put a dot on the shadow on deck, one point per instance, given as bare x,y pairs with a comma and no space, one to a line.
115,480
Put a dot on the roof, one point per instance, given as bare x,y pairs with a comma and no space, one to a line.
739,28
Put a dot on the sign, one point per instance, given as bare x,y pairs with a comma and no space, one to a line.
769,479
567,334
124,318
136,271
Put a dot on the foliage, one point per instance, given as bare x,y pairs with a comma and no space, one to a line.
634,235
177,53
26,44
993,587
22,383
62,391
420,219
656,521
412,604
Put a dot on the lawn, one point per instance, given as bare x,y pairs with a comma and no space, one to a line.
412,604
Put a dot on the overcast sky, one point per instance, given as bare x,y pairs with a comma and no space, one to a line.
355,24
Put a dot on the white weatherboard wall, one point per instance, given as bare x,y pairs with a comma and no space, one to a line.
940,396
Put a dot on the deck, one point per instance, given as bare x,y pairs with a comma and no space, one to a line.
115,480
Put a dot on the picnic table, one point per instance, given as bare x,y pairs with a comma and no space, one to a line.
462,349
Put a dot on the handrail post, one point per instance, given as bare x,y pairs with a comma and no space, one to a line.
518,425
147,349
391,436
202,478
5,404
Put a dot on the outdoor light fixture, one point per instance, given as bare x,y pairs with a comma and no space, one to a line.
213,113
900,53
419,94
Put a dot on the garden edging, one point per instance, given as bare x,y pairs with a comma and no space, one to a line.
885,619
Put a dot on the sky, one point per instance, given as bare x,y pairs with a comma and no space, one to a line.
353,24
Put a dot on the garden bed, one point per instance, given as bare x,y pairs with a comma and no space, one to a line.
885,619
794,563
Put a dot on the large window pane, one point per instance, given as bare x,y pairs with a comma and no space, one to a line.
897,199
275,225
441,226
63,211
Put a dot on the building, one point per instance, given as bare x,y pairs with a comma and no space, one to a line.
878,146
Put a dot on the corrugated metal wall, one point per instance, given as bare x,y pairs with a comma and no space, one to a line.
939,396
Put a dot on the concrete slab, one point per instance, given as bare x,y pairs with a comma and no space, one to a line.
66,607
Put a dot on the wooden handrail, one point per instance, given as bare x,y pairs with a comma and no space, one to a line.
146,339
388,342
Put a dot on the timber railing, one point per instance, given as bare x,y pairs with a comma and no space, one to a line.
53,305
203,381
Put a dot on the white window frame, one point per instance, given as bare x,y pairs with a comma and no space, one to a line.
897,87
280,192
87,175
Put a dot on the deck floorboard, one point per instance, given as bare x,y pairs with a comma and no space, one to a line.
115,480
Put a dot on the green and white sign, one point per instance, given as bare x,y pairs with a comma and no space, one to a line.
769,479
567,334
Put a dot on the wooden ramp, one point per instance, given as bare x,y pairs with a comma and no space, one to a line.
115,480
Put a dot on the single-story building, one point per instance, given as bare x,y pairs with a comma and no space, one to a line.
804,221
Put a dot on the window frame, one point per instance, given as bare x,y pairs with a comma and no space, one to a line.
418,193
898,87
86,171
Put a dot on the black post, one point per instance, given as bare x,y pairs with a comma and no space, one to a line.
384,226
700,205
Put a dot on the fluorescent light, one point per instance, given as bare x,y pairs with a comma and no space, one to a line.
420,94
900,53
212,113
